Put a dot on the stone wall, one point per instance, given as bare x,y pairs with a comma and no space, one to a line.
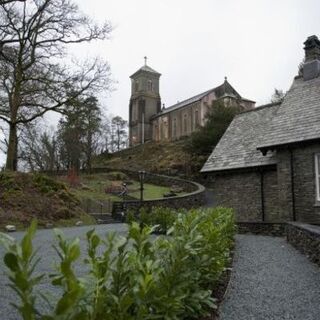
305,238
189,201
271,197
242,191
262,228
162,180
307,210
300,204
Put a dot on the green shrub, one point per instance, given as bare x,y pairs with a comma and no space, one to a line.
162,218
46,184
116,176
135,277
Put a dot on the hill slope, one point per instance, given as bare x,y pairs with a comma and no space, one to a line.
24,196
164,157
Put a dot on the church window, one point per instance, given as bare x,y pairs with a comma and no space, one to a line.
185,123
317,168
136,85
196,119
174,128
150,85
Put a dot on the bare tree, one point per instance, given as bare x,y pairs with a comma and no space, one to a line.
38,148
119,126
10,1
34,79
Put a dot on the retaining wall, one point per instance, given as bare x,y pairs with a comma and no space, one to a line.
305,238
263,228
194,199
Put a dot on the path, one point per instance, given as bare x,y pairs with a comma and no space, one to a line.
209,198
44,240
271,281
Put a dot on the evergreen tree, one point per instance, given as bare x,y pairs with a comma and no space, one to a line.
78,133
217,121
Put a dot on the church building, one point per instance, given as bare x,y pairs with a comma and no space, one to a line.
149,121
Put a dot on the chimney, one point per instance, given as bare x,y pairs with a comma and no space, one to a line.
311,67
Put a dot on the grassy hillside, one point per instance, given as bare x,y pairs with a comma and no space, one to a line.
165,157
93,187
25,196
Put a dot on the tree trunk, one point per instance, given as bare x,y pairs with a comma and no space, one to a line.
12,153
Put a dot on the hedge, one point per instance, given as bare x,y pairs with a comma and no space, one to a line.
138,276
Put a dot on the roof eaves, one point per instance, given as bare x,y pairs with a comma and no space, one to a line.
266,148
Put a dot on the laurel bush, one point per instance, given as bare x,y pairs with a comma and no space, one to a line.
136,277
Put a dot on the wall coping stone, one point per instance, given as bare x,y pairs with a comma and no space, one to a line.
313,229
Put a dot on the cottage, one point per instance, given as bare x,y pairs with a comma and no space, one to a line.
267,164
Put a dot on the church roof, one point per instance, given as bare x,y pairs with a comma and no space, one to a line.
224,89
298,117
145,68
238,146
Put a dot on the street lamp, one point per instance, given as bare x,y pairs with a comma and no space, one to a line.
142,175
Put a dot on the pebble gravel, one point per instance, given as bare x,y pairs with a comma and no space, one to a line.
271,281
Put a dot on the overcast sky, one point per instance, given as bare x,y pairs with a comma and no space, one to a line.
257,44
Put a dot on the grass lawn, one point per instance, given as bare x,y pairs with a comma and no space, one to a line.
93,187
150,192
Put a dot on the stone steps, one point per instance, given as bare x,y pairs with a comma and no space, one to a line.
104,218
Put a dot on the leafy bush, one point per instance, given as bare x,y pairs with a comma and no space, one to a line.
162,218
116,176
46,184
135,277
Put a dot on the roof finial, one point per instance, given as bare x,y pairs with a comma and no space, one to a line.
145,60
225,78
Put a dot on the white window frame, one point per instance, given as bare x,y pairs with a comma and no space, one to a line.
317,175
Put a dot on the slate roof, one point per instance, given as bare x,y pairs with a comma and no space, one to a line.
238,146
298,117
224,89
147,69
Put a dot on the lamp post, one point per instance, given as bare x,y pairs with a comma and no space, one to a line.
142,175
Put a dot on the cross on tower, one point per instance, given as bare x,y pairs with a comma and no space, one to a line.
145,61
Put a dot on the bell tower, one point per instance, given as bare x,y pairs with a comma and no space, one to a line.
145,102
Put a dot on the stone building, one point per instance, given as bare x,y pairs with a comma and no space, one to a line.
267,164
148,121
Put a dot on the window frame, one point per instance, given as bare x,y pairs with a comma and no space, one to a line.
174,125
185,123
150,86
317,175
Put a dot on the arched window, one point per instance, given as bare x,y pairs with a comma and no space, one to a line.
196,119
185,124
136,86
174,128
150,85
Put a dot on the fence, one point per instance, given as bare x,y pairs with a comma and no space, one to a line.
93,206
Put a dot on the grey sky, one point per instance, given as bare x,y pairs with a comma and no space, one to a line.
257,44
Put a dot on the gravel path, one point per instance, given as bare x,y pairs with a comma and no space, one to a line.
44,241
271,281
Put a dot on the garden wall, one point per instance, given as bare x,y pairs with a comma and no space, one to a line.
305,238
262,228
194,199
